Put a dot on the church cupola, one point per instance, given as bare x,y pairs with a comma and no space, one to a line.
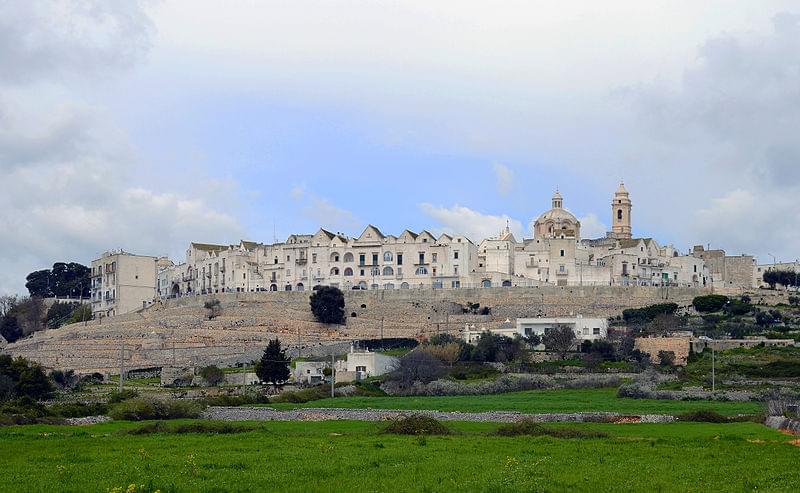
558,202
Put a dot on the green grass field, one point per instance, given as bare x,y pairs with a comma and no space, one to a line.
356,456
535,401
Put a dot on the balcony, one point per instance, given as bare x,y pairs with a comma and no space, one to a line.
301,261
562,272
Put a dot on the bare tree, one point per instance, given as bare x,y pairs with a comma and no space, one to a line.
417,366
7,302
560,339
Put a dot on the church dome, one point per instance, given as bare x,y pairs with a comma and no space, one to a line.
557,222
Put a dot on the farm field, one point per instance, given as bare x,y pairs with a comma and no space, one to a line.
358,456
534,401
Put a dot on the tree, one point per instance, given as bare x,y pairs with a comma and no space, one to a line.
794,300
417,366
64,279
59,313
274,365
212,375
7,302
9,328
559,339
648,313
662,324
24,318
666,358
532,340
327,305
81,314
33,383
213,308
710,303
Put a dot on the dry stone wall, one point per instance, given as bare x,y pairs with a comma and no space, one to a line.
178,333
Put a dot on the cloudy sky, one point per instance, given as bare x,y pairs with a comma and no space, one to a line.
147,125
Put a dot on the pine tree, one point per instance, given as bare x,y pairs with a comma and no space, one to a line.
274,365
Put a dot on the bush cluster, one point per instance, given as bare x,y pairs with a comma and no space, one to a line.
710,303
505,383
141,409
208,427
648,313
528,427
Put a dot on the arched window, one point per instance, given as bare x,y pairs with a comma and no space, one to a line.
348,272
348,257
422,271
300,287
374,286
335,271
619,215
375,271
387,256
334,257
288,287
506,284
362,285
486,283
273,287
404,286
388,271
388,285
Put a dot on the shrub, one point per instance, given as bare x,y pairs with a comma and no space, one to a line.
234,400
710,303
560,339
119,396
78,409
528,427
210,427
212,375
327,305
141,409
417,425
703,416
666,358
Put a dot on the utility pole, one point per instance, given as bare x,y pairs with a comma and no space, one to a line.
121,363
333,375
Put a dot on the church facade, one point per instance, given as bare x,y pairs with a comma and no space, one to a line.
555,254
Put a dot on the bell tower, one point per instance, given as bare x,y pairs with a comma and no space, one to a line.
621,214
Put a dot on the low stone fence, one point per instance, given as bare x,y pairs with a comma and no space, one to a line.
269,414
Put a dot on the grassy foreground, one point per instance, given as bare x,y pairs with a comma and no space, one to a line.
535,401
356,456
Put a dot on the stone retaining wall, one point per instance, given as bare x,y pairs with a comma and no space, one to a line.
177,332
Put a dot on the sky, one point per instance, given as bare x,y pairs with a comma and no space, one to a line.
145,125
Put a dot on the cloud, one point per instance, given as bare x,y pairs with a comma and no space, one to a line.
505,179
474,225
73,185
727,134
323,212
592,227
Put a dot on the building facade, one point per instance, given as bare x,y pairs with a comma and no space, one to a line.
123,282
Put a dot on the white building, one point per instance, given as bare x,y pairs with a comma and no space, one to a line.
586,329
123,282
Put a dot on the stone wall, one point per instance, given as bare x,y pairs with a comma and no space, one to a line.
652,345
178,333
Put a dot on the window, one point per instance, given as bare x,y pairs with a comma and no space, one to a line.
422,271
562,253
404,286
361,368
562,269
313,258
399,259
348,257
455,255
455,284
362,259
362,272
388,271
335,271
374,259
287,258
387,256
619,216
348,272
596,331
421,258
276,260
433,258
334,257
455,269
375,271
